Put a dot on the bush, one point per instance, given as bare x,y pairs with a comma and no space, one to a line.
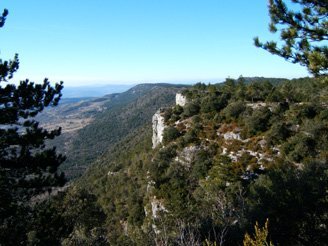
233,110
308,111
324,114
279,132
299,147
191,109
177,110
190,137
259,121
167,114
170,134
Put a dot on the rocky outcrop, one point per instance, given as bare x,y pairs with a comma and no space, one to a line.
180,99
257,105
187,155
231,136
158,128
157,207
159,123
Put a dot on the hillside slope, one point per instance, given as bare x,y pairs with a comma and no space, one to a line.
119,116
233,155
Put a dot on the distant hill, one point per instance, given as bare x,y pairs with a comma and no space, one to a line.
92,126
273,81
94,90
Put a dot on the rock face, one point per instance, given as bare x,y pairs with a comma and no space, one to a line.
158,121
187,155
156,207
231,136
180,99
158,128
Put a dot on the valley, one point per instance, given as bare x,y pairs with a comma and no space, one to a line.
216,159
92,126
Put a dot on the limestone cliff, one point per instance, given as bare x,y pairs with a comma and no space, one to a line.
158,128
180,100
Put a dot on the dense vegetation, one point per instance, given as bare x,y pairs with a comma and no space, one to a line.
27,166
124,113
243,153
229,159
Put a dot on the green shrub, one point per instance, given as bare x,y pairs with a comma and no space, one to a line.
234,109
190,137
278,133
191,109
259,121
170,134
299,147
177,110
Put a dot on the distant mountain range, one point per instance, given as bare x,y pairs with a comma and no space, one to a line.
94,90
90,91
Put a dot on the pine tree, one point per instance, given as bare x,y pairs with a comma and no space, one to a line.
3,17
27,167
304,33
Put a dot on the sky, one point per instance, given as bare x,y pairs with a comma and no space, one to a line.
89,42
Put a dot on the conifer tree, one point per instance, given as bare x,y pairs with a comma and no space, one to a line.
304,33
27,167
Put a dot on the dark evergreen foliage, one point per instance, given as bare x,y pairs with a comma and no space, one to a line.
238,153
205,193
304,33
27,167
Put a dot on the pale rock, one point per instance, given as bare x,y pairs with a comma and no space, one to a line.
158,128
187,155
125,227
231,136
252,153
150,186
276,151
259,105
156,207
256,105
263,143
180,99
233,156
110,173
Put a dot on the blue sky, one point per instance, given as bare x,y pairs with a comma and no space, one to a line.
85,42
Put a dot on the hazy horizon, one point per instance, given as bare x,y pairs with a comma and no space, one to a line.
141,41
